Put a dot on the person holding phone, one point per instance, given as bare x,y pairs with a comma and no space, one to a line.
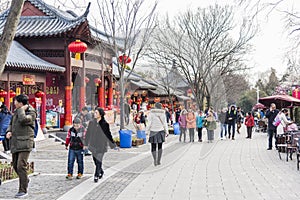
272,130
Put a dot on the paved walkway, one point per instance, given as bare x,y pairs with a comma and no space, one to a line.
224,169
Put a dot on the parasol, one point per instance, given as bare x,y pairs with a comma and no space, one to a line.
281,101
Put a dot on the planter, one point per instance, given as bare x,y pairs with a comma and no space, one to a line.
7,172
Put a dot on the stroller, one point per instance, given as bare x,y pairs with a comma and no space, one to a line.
260,125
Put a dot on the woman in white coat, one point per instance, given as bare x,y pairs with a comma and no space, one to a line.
158,128
284,122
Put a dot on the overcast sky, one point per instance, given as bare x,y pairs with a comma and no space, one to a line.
270,44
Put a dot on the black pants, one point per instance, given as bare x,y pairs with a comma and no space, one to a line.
98,163
249,131
156,152
231,125
199,133
271,134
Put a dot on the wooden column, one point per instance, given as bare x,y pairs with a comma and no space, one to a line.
82,85
110,97
68,90
43,109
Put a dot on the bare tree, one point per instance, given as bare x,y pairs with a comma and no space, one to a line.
127,26
9,30
206,45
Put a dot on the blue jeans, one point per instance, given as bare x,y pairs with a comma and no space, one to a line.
223,128
78,155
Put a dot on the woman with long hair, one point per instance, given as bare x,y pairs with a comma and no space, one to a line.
97,137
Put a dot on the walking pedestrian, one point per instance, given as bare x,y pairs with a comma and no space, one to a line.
21,132
249,122
240,119
98,136
182,124
211,125
284,121
85,116
231,117
223,123
199,123
271,114
74,141
191,124
5,118
127,111
158,129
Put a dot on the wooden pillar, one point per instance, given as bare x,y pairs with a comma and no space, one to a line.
110,97
43,109
68,90
101,96
7,99
82,85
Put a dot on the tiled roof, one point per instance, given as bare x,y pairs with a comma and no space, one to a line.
54,23
20,58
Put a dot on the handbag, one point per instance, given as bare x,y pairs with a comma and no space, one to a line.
277,120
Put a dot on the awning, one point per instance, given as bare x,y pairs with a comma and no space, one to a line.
281,101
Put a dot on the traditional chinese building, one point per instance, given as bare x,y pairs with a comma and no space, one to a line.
43,35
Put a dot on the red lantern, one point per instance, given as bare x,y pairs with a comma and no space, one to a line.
128,95
86,80
97,81
146,99
39,94
12,94
189,92
124,59
3,93
77,47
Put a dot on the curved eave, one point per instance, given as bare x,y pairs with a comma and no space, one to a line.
29,67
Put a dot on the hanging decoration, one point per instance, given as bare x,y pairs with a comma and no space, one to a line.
77,47
86,80
124,59
39,94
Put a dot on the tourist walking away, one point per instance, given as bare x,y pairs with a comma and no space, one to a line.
74,142
211,125
249,122
199,124
240,119
182,124
158,129
21,135
191,124
271,113
231,117
223,123
98,136
168,116
5,118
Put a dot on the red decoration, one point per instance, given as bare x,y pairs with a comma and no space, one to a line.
124,59
157,99
77,47
12,94
86,79
146,99
3,93
97,81
39,94
128,95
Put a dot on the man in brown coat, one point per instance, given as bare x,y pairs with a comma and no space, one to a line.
21,133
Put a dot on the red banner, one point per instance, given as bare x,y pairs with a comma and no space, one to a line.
28,79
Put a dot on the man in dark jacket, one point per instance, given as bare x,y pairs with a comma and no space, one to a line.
271,114
21,133
231,117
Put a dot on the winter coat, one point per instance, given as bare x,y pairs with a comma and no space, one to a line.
98,136
157,121
182,121
75,138
190,120
222,117
210,123
231,116
199,121
249,121
5,119
22,129
271,116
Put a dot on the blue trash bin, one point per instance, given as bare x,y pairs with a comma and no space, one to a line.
141,134
176,128
125,138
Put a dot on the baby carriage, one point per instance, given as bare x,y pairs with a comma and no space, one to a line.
261,126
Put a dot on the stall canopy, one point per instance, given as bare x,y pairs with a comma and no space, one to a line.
258,106
281,101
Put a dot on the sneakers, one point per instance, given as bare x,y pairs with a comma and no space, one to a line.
69,177
79,176
96,179
21,195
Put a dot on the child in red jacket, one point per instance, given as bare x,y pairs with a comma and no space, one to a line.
249,122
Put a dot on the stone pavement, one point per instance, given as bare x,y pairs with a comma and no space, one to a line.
224,169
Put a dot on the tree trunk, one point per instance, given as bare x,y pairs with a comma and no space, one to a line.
9,30
122,89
